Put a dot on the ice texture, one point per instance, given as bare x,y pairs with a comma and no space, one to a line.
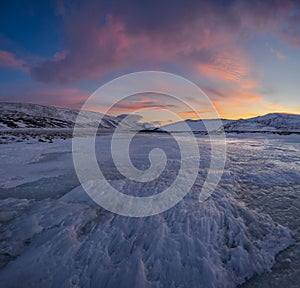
54,235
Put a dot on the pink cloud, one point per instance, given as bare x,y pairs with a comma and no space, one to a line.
201,37
279,55
8,59
127,107
229,67
61,55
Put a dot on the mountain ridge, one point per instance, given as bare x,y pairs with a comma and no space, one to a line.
28,115
271,122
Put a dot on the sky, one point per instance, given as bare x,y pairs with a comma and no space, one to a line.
245,55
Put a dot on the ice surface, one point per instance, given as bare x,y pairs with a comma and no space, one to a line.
54,235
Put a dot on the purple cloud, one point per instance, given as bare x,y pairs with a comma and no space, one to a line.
200,36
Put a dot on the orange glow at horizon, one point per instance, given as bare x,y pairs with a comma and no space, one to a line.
244,105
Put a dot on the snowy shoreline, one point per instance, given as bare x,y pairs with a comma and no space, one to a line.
31,135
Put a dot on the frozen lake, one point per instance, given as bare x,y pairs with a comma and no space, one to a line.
54,235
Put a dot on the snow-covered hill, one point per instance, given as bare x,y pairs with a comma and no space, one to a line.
23,115
22,122
274,122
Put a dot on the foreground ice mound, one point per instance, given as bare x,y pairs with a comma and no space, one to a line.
71,242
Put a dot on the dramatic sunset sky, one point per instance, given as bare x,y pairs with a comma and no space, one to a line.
244,54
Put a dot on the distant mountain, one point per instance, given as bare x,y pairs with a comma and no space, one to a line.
23,115
197,125
274,122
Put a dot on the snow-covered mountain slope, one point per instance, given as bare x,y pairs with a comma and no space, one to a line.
21,122
276,122
197,125
23,115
